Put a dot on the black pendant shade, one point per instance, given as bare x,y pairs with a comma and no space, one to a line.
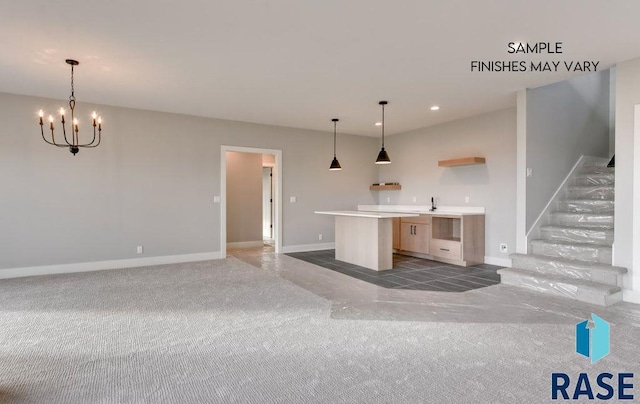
383,157
335,164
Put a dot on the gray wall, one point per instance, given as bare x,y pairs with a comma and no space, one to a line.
244,197
152,183
415,157
564,121
627,217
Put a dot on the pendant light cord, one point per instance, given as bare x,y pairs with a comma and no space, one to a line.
334,138
383,126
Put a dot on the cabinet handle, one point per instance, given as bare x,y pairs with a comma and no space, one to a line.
444,249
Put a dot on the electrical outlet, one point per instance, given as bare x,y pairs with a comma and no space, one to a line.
139,250
529,172
320,236
216,199
415,199
466,199
293,199
504,248
388,199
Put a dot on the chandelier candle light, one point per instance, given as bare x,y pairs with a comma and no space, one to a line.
73,145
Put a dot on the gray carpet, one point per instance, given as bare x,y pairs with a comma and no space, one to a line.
224,331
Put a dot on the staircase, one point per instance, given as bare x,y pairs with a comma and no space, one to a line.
572,258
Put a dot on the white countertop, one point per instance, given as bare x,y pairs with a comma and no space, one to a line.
424,210
358,213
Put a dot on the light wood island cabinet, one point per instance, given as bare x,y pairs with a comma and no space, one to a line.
452,238
415,234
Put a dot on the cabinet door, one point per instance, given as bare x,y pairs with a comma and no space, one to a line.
407,239
396,232
422,238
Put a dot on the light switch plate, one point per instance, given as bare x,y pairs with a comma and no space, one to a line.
293,199
216,199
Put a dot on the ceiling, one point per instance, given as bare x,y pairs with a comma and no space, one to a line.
300,63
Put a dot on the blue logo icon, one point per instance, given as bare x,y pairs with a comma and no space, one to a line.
592,341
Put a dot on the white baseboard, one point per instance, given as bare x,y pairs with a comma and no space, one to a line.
631,296
246,244
503,262
307,247
102,265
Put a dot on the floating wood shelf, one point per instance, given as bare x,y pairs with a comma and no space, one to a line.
465,161
389,187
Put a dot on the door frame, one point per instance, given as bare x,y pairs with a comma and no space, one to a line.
277,194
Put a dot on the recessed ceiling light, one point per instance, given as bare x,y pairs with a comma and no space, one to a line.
378,123
435,108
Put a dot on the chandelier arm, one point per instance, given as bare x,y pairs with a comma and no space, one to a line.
64,131
52,138
90,144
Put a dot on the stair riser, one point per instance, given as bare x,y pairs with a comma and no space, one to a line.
561,289
584,253
569,271
591,181
579,236
582,220
589,206
602,193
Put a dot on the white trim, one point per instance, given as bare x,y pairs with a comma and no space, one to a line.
503,262
631,296
521,172
308,247
635,232
277,186
102,265
246,244
424,209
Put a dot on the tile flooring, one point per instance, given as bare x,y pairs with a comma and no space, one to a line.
410,273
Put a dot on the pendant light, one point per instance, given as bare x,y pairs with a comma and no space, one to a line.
383,157
335,164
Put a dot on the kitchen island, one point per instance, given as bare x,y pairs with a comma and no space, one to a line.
365,238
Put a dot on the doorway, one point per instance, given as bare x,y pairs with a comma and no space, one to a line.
233,218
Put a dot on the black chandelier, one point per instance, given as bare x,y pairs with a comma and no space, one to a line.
73,145
335,164
383,156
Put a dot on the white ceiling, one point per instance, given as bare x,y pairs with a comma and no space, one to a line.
300,63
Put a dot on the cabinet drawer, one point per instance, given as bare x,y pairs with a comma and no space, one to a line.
422,219
446,249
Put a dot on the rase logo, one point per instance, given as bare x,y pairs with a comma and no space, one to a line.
592,341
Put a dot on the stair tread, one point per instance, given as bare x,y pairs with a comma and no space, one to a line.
543,241
598,287
582,175
580,200
564,213
581,228
576,263
591,186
